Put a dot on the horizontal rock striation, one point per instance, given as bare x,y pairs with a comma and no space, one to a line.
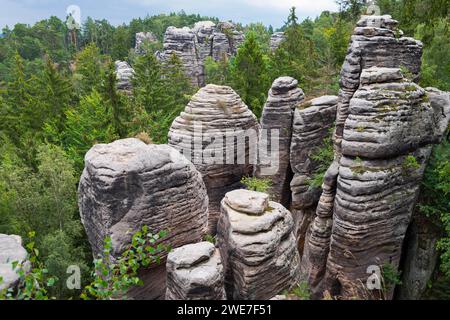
257,245
277,116
128,184
124,73
143,39
218,133
11,250
312,125
195,272
386,145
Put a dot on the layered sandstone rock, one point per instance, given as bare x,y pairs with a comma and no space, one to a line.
124,73
218,133
312,125
386,143
195,272
257,245
277,118
11,250
183,43
375,42
276,39
193,46
143,39
128,184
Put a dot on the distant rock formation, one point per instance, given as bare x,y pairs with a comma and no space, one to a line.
193,46
141,39
278,114
276,39
312,124
211,129
195,272
11,250
386,144
257,245
125,74
128,184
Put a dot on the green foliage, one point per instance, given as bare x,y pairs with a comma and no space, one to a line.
210,238
300,291
34,280
114,277
391,277
217,72
322,156
256,184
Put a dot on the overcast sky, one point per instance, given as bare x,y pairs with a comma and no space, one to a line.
272,12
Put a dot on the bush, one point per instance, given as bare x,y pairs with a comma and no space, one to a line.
255,184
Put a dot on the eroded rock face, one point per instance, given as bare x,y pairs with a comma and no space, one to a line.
11,250
386,144
141,39
195,272
257,246
276,39
124,74
128,184
312,125
205,39
278,114
375,43
212,132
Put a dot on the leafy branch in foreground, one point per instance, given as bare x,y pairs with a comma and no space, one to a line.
256,184
114,277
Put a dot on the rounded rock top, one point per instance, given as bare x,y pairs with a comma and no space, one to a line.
191,254
250,202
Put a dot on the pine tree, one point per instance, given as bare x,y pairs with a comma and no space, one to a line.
89,66
249,74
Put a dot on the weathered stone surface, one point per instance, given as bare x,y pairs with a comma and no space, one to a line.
124,73
11,250
212,127
278,114
128,184
375,42
141,39
386,144
195,272
313,121
258,252
276,39
193,46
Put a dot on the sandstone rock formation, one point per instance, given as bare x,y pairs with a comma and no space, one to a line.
195,272
193,46
278,113
312,124
386,143
212,133
124,75
11,250
375,42
257,245
128,184
275,40
141,39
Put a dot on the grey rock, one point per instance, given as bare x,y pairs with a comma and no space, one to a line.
258,252
195,272
128,184
277,115
124,73
276,39
214,124
141,39
11,250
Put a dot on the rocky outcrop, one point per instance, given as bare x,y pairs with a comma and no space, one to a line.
386,144
312,125
128,184
257,245
212,133
277,116
375,43
276,39
11,250
193,46
124,73
195,272
143,38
